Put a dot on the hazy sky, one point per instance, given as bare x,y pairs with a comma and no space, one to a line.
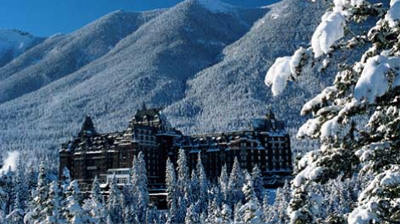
47,17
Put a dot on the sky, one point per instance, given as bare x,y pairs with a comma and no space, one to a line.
49,17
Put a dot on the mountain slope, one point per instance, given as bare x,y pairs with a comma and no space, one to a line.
227,95
14,42
61,55
151,65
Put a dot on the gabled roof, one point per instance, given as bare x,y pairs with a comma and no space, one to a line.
148,113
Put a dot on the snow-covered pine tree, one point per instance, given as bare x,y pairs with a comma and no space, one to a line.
183,186
73,211
237,215
139,186
152,215
195,188
21,188
94,205
223,182
109,221
183,173
15,217
114,206
258,183
235,184
65,178
367,90
276,213
40,196
7,193
181,210
31,181
52,206
19,196
203,184
251,211
172,188
215,194
214,213
192,215
226,214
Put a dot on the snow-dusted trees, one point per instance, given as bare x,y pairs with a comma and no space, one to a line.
183,186
203,185
172,194
357,118
192,214
40,196
114,206
235,184
94,205
276,213
223,181
251,211
258,183
183,173
73,211
52,209
139,186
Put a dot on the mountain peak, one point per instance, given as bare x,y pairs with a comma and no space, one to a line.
14,37
15,42
216,6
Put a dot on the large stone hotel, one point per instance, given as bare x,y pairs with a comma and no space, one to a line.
92,154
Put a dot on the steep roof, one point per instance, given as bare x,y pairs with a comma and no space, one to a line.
149,113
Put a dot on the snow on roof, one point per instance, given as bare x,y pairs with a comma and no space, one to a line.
213,150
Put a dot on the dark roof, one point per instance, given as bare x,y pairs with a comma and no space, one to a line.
88,127
149,113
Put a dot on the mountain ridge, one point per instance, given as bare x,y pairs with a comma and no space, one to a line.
205,67
14,43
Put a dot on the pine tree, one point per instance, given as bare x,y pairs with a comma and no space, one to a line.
195,187
40,196
226,214
130,214
216,195
114,206
214,213
192,214
223,182
7,193
73,211
183,186
251,210
21,188
52,207
139,184
65,178
203,184
109,221
237,214
235,185
258,183
94,205
183,173
367,90
151,215
172,188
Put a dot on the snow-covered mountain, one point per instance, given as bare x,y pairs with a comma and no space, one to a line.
203,60
14,42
